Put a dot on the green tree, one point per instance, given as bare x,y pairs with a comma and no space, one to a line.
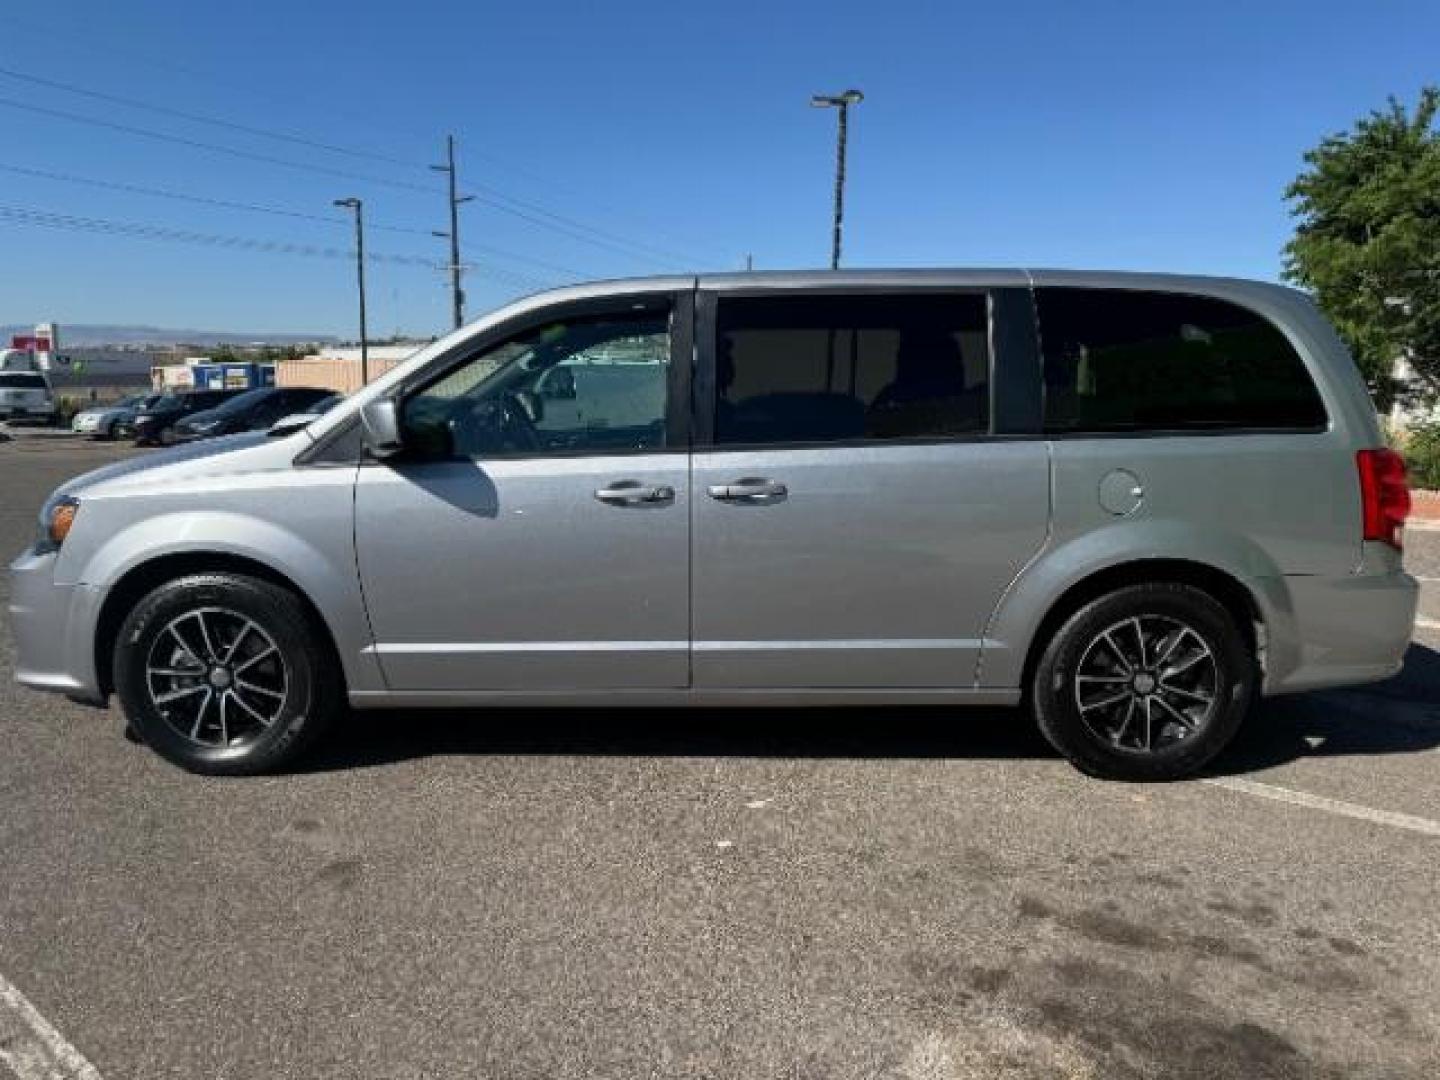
1368,242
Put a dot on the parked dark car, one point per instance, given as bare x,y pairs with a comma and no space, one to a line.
154,425
253,410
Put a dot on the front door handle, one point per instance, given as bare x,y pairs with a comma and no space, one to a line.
749,489
634,493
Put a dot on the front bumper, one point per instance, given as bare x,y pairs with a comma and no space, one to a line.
53,629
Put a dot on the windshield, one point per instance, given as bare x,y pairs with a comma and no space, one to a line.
21,380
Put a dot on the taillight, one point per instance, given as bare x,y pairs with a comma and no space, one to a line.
1384,495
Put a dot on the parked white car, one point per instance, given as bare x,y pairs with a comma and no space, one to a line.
100,422
26,395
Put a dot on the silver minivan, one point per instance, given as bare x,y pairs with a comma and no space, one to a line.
1132,503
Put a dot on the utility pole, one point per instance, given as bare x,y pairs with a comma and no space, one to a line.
842,102
355,204
457,294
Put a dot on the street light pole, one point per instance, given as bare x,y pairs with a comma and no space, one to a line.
457,294
355,204
842,102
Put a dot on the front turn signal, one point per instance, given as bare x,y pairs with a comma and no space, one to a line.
62,517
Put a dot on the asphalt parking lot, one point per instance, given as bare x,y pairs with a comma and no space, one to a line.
822,894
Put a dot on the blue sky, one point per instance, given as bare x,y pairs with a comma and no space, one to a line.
1105,134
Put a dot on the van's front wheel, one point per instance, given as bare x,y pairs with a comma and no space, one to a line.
225,674
1146,683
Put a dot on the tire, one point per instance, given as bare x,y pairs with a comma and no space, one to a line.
226,675
1121,688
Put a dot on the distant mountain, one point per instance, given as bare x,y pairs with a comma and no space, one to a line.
90,334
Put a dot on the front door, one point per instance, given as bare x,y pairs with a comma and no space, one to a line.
856,517
535,534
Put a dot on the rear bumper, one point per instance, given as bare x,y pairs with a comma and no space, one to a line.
1340,631
52,626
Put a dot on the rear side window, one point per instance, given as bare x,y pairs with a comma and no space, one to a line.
1122,360
805,369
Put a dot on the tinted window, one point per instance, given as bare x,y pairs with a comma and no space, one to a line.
837,368
302,398
1119,360
242,402
12,381
592,385
267,410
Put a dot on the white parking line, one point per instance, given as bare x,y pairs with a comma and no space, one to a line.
31,1047
1427,624
1332,806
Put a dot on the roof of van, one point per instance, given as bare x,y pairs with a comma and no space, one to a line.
958,277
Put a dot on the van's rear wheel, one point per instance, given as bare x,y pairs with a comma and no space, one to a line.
225,674
1146,683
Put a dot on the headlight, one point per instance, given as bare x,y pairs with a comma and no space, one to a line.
56,518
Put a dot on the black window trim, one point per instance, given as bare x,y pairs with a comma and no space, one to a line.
1014,373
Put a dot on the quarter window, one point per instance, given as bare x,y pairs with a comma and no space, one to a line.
803,369
1121,360
593,385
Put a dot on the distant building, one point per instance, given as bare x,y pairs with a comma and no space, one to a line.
338,367
43,344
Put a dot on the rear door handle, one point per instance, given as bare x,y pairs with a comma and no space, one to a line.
634,493
749,489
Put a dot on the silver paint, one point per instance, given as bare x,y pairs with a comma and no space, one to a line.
882,573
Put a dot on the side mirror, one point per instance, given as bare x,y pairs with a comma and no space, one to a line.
381,420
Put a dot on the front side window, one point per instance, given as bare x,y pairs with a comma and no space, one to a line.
1121,360
584,386
803,369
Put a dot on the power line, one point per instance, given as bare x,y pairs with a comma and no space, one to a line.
214,121
21,215
228,204
521,208
167,64
202,200
74,33
573,230
180,140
